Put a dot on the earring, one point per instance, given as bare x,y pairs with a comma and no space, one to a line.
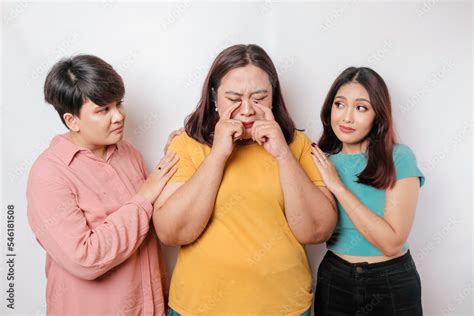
213,98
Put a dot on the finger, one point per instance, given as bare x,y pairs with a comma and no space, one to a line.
166,146
160,173
316,154
239,132
171,137
323,159
168,143
164,180
267,111
254,130
174,161
174,134
235,128
263,127
317,158
166,167
265,130
170,173
314,149
169,156
262,134
164,158
228,112
256,125
322,154
316,161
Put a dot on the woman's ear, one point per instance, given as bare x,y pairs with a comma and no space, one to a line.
213,96
71,122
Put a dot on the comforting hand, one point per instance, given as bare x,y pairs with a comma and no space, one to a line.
158,178
267,132
326,169
226,132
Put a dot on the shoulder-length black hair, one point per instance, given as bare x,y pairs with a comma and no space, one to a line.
380,169
201,123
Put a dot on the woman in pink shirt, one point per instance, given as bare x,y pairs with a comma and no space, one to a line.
90,200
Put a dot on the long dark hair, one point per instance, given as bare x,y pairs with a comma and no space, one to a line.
201,123
380,169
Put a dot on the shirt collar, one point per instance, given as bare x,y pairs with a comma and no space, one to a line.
66,150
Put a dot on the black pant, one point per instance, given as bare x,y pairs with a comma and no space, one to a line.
387,288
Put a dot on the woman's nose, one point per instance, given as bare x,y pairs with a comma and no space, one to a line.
247,107
118,115
348,116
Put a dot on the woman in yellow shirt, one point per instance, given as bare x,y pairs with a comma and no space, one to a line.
245,198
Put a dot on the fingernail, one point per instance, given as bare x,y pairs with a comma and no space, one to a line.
313,144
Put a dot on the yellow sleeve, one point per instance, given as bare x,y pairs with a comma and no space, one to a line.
307,162
185,165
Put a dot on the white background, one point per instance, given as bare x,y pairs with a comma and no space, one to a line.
163,51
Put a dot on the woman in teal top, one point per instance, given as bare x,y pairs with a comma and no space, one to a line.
368,269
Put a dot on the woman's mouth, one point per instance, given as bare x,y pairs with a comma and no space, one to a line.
345,129
248,124
118,130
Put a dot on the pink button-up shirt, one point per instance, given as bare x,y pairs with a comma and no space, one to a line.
102,254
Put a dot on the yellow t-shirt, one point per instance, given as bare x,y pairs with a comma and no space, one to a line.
247,261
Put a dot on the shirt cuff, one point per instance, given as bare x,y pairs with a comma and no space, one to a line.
142,202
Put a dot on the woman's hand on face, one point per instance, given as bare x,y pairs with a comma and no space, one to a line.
267,132
159,177
226,132
170,138
326,169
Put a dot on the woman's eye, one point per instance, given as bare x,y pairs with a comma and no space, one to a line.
361,108
338,105
103,110
257,100
234,100
120,103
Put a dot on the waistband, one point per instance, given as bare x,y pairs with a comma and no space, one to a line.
404,262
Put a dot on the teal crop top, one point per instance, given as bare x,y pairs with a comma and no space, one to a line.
346,239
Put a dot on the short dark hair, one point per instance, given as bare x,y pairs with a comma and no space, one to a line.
201,123
75,80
